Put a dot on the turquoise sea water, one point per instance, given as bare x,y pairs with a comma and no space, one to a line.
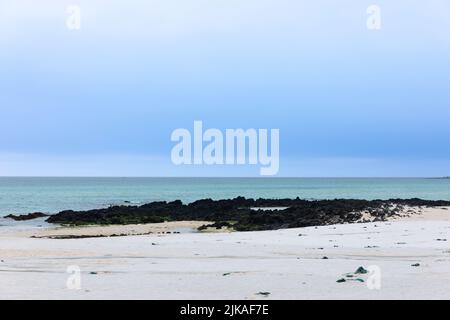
50,195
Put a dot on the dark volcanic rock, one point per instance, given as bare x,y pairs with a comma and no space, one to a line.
361,270
238,213
29,216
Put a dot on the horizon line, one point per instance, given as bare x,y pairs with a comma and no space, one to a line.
237,177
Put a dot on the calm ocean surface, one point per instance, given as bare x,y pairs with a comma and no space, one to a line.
50,195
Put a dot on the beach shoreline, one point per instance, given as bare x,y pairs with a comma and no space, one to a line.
300,263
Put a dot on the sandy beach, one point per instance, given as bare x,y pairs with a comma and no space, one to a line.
412,255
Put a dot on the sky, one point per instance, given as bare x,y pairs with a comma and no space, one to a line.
103,100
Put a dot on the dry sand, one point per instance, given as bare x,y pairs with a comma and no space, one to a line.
287,263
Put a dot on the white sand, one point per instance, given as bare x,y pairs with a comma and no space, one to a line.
192,265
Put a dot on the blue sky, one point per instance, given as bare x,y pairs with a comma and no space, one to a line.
104,100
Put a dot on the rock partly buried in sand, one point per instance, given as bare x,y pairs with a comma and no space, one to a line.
264,294
351,276
25,217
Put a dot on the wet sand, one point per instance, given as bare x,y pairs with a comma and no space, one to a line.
116,230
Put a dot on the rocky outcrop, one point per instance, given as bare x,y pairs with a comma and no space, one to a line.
240,213
25,217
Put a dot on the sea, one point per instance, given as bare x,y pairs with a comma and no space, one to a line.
23,195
